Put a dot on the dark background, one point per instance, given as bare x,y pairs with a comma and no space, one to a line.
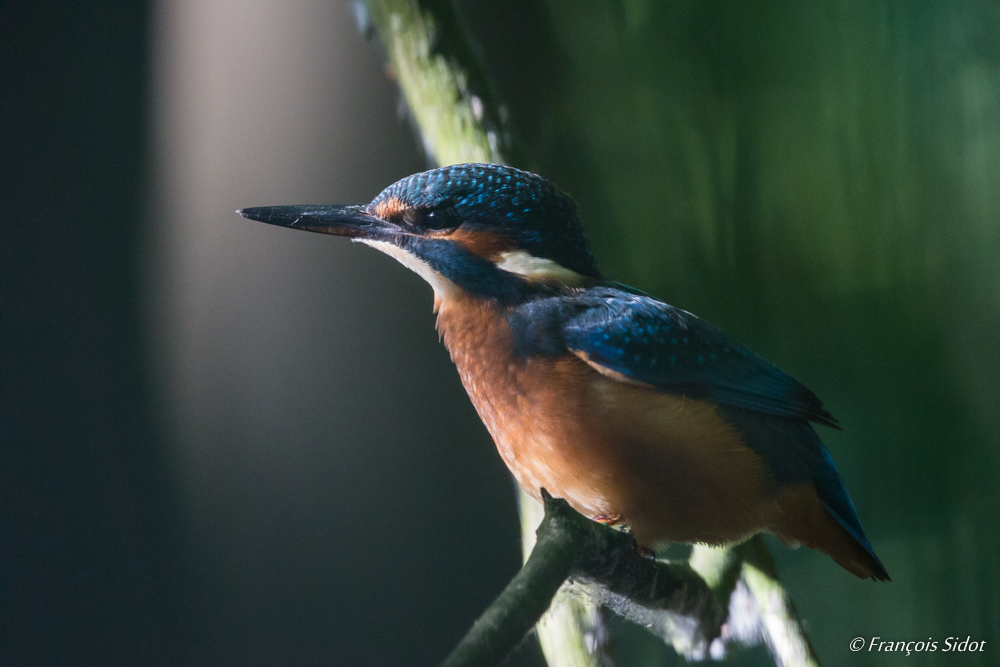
224,443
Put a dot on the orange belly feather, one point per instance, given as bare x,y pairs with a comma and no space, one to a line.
667,465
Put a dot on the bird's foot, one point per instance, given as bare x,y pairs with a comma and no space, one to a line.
608,520
619,522
645,552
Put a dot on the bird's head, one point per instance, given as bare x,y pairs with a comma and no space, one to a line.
489,231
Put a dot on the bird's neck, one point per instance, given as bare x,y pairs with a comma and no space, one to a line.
480,343
469,326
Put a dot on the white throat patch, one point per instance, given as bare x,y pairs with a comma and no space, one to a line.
536,269
443,287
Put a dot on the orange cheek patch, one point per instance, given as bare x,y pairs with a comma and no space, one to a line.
481,244
390,209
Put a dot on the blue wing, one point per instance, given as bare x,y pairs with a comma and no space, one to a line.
669,348
652,342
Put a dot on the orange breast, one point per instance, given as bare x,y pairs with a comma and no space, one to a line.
666,464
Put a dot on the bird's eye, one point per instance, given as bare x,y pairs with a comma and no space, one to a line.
440,218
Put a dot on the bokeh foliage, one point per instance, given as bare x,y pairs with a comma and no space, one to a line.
822,180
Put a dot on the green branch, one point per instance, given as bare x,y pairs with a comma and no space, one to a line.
572,632
779,619
568,545
446,90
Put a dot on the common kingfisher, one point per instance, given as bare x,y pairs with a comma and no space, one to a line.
634,411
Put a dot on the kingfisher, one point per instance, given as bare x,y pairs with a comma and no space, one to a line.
636,412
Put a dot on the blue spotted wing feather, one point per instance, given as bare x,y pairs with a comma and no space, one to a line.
652,342
640,338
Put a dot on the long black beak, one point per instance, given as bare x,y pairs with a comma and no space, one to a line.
350,221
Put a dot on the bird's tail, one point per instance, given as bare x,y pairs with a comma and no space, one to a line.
819,514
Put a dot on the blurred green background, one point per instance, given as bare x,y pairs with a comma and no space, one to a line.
224,443
822,180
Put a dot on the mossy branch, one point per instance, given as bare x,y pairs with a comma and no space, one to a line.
446,90
570,545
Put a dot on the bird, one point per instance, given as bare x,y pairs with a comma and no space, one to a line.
637,413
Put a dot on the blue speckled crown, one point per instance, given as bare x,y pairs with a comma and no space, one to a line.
505,201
